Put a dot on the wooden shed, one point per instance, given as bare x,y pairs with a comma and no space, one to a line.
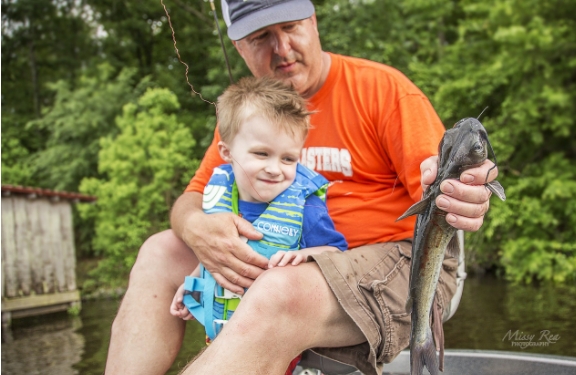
38,253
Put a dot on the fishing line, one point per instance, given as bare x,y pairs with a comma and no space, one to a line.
180,59
491,149
248,178
495,161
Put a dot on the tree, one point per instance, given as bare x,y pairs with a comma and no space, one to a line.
139,35
42,41
144,168
517,58
76,122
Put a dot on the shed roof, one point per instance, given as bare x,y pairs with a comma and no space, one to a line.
36,192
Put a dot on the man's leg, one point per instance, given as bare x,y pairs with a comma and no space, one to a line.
287,310
145,337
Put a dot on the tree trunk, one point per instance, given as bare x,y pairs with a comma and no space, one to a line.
34,74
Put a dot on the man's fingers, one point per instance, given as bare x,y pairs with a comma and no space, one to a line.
428,171
250,256
253,263
246,229
475,194
463,214
219,242
485,173
465,223
460,208
237,287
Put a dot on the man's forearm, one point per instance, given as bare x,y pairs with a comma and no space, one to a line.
188,204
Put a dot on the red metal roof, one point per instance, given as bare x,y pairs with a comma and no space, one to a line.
35,192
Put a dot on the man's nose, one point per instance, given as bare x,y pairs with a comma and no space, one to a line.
282,44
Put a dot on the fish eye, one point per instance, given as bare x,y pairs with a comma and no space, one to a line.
478,147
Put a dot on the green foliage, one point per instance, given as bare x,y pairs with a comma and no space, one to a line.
536,227
59,103
138,35
74,310
363,29
143,170
42,41
518,59
76,122
391,32
16,169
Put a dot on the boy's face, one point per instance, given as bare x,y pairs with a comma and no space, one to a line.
263,159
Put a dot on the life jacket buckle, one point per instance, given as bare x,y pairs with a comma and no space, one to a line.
225,293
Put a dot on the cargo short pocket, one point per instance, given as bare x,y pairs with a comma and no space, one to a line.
386,288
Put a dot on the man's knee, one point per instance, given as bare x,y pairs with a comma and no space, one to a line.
283,290
161,252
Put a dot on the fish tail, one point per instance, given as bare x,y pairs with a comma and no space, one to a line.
424,355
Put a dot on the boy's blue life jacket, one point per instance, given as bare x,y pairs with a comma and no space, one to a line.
280,223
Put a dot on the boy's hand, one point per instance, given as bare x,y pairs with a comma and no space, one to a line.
283,258
177,308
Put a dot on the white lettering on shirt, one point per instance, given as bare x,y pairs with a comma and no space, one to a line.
329,159
277,228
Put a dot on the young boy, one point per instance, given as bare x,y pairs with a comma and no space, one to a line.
263,125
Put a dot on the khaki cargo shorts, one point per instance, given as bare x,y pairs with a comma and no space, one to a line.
371,284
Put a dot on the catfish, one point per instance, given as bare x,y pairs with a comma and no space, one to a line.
463,147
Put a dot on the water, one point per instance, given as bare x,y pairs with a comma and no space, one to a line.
58,344
492,316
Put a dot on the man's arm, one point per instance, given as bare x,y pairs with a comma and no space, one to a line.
215,239
467,200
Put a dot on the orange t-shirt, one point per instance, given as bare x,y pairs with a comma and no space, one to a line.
371,130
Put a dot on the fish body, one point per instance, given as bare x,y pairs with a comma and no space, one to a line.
463,147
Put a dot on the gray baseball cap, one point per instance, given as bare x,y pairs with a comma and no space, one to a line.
243,17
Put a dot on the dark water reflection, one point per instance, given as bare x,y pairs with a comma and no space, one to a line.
490,313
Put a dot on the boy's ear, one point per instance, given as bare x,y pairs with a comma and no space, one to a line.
224,151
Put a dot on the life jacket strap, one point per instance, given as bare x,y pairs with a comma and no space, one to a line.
215,301
207,287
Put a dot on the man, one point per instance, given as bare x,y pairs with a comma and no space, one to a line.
372,128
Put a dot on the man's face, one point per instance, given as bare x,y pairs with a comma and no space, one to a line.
288,51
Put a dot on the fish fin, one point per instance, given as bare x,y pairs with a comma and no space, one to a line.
415,209
497,189
453,248
409,304
423,355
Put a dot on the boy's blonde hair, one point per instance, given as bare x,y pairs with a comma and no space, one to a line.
279,104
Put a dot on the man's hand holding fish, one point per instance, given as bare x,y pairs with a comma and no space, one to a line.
465,201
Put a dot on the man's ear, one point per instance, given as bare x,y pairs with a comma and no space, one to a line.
224,151
238,45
